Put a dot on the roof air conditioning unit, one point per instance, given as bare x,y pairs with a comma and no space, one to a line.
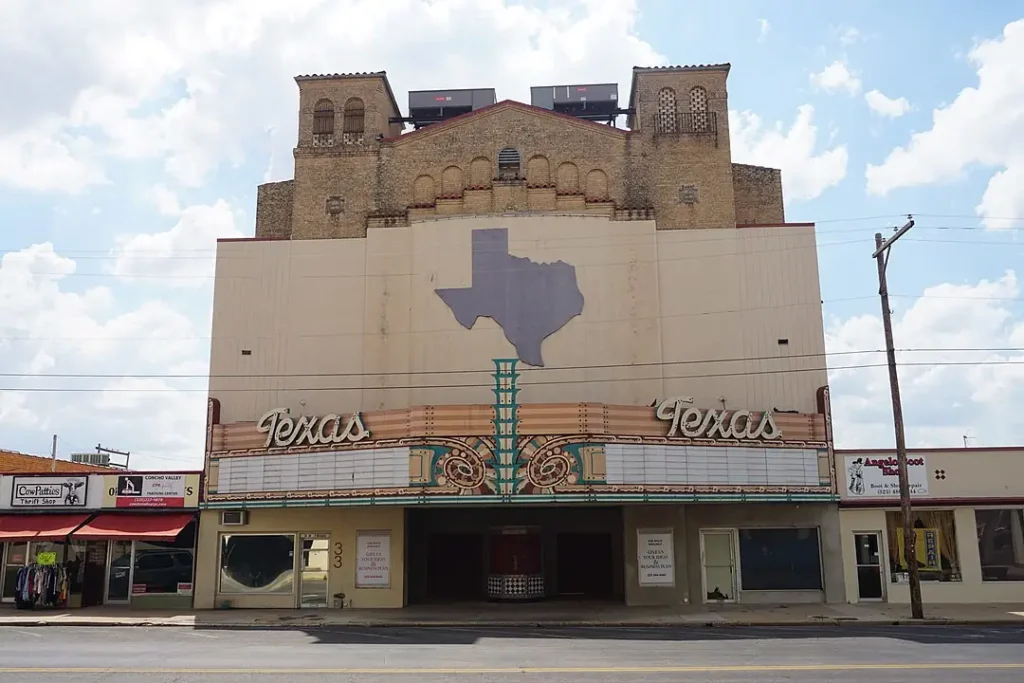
234,517
101,459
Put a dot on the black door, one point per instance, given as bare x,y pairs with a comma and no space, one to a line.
585,566
94,573
455,567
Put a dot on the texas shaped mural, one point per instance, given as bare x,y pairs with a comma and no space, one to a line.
530,301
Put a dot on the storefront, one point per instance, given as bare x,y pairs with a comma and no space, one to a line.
643,505
109,539
967,516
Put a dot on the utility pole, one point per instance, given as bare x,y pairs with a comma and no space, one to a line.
53,455
881,257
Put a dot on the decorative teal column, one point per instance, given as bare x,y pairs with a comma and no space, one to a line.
506,423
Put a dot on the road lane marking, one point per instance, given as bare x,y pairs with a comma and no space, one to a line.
526,669
27,632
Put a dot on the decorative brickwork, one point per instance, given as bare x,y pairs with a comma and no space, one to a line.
514,157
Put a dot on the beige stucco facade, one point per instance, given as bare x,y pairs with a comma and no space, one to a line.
973,500
671,409
355,324
340,525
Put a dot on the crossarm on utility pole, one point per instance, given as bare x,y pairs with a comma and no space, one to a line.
881,256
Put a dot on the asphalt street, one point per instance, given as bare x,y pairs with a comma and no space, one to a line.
843,654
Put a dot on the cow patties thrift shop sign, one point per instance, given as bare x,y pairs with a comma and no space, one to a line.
879,477
49,492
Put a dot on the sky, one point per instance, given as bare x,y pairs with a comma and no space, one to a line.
133,135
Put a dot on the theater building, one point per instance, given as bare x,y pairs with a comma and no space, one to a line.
968,519
518,352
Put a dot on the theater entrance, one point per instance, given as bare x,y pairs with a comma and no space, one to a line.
514,555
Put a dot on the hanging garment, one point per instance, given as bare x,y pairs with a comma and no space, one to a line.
41,586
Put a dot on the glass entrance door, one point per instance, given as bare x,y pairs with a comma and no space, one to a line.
718,557
870,585
314,568
119,572
15,557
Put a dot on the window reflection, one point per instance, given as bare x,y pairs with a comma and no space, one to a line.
251,563
1001,544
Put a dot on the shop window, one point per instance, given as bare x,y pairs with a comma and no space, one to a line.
1001,544
934,542
162,566
262,564
780,559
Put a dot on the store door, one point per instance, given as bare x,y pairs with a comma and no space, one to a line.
718,560
15,557
870,583
314,571
93,573
119,572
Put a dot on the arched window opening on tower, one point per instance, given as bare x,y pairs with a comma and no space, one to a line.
323,124
354,122
666,121
508,164
699,108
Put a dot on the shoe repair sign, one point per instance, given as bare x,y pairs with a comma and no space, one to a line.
171,490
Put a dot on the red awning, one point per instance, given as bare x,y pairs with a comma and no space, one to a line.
136,527
38,527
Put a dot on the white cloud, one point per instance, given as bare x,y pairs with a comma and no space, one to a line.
165,200
941,402
47,159
848,35
837,77
806,172
192,84
764,28
14,414
984,125
886,106
190,88
184,254
49,330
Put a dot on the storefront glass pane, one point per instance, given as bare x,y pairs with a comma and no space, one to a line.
165,567
15,555
55,547
1001,544
257,563
934,545
119,579
780,559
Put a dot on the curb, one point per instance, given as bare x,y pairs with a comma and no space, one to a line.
295,625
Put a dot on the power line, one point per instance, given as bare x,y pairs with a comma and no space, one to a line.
1004,349
561,368
212,253
489,384
826,302
739,253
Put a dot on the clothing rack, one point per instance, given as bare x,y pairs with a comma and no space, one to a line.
39,585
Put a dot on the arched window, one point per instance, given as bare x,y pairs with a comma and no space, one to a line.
699,108
508,164
666,119
354,121
323,124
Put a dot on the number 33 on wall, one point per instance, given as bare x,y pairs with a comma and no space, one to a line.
338,555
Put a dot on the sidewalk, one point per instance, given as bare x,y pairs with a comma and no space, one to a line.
541,614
